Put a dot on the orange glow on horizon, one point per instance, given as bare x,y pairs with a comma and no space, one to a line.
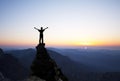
98,43
62,43
17,43
84,43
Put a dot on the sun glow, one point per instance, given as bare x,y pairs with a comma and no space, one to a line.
85,43
97,43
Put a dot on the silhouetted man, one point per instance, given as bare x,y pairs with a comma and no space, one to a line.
41,34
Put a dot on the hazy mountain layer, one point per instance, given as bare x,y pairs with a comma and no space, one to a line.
76,64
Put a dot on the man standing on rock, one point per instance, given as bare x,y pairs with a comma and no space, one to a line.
41,34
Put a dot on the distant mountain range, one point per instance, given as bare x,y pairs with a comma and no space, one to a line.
74,63
100,59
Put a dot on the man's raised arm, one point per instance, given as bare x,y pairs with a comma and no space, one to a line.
46,28
36,28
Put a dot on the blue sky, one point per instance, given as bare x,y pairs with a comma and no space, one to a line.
70,22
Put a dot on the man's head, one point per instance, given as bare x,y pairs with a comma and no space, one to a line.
41,28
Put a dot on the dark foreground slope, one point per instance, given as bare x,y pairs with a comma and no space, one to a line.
11,68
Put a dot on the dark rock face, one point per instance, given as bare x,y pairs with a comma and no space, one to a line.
1,51
1,76
44,67
11,68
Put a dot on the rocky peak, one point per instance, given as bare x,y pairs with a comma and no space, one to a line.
44,67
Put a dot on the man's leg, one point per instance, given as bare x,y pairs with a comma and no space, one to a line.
40,41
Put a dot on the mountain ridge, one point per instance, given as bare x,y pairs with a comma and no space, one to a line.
78,76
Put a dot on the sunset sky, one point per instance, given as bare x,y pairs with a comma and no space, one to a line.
70,22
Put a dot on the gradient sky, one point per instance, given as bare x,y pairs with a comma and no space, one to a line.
70,22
